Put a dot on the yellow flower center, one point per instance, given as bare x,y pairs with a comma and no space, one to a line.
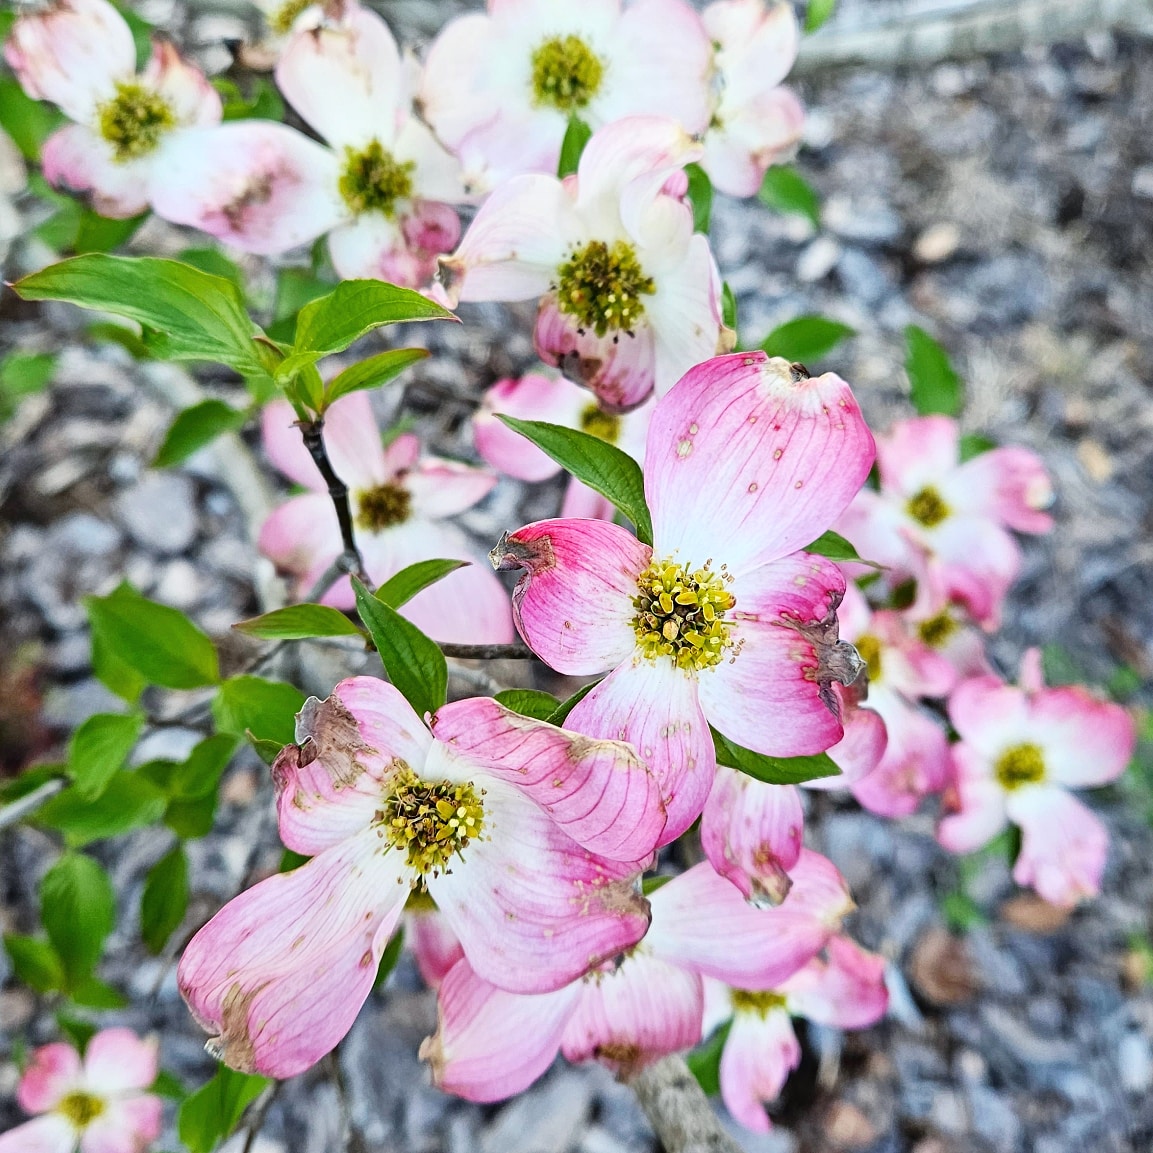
80,1108
282,20
602,287
430,820
566,73
869,648
134,120
383,506
373,179
603,425
927,507
1020,765
937,630
681,614
746,1001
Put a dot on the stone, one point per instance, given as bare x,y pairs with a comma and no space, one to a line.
941,969
1135,1062
159,512
818,260
937,243
548,1118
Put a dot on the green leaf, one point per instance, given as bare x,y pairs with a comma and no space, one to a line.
290,860
807,338
529,703
96,233
165,899
295,287
93,993
200,774
263,102
935,386
404,585
700,197
603,467
29,122
372,373
389,957
817,13
728,306
576,136
785,190
98,750
126,335
129,802
973,444
704,1061
159,642
190,819
414,663
834,546
210,1114
34,963
21,375
168,1085
561,714
773,770
194,428
267,751
196,316
214,262
78,910
299,622
263,707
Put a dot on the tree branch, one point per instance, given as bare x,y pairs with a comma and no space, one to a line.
30,802
678,1109
350,560
513,652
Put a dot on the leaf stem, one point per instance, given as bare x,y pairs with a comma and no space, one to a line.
350,560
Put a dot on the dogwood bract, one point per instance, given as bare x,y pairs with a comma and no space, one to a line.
1021,749
722,620
527,838
98,1103
79,54
399,502
631,298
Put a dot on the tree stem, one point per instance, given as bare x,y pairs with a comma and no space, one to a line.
513,652
350,560
678,1109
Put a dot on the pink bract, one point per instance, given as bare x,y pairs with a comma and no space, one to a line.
747,462
482,813
400,503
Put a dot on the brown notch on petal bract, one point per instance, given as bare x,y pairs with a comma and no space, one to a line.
837,660
533,555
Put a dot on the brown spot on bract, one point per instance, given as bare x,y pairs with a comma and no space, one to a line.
332,732
534,556
799,372
432,1051
234,1045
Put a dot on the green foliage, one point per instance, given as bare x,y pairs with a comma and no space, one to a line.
603,467
75,228
372,373
834,546
190,788
400,588
728,306
773,770
935,386
21,375
98,750
700,197
817,13
259,706
389,957
414,663
159,644
194,428
299,622
704,1061
34,962
529,703
210,1114
215,263
29,122
785,190
295,287
262,102
165,899
807,338
565,707
78,911
129,802
77,1031
576,136
973,444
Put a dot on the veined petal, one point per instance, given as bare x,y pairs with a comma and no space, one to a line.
583,503
532,909
49,1134
284,446
372,246
628,1017
302,537
450,98
441,488
859,751
990,715
654,706
52,1071
75,157
597,791
279,974
574,604
432,943
183,85
1063,846
351,438
758,1057
117,1061
846,989
918,452
747,463
979,561
260,186
758,44
975,803
127,1125
490,1044
752,139
1008,485
438,175
751,834
1085,741
774,693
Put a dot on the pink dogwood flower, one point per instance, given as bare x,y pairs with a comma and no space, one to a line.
382,189
399,502
79,54
844,989
430,939
630,294
499,87
525,836
755,122
722,620
491,1043
945,523
97,1104
536,396
1022,749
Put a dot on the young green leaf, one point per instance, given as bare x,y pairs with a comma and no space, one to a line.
400,588
34,963
728,306
77,1031
93,993
817,13
700,197
165,899
263,102
603,467
834,546
299,622
576,136
773,770
210,1114
29,122
159,642
263,707
784,189
215,263
560,715
98,750
372,373
807,338
168,1085
935,387
194,428
529,703
21,375
414,663
78,911
704,1061
295,287
199,775
129,802
973,444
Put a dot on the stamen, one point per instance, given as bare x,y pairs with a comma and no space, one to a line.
602,287
1018,766
382,507
566,74
937,630
431,821
134,120
927,507
373,180
681,614
869,648
747,1001
80,1108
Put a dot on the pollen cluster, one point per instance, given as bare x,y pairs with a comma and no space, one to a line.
1020,765
927,507
566,73
937,630
80,1108
431,821
283,18
747,1001
869,648
134,120
383,506
603,425
681,614
602,287
373,179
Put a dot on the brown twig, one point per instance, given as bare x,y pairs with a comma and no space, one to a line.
350,560
678,1109
513,652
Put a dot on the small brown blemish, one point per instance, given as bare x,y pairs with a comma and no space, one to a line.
799,372
332,737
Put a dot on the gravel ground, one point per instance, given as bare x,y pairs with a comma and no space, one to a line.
1008,206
